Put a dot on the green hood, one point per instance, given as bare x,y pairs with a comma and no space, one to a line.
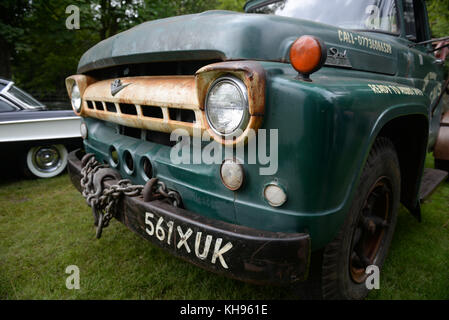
222,35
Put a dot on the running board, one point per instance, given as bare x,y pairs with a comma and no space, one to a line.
430,181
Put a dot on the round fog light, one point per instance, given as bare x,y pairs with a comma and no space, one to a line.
232,175
275,195
83,130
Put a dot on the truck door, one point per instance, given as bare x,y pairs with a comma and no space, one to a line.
426,71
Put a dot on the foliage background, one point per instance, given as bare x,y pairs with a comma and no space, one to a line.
38,52
439,17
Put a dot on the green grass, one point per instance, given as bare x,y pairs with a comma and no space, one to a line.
45,226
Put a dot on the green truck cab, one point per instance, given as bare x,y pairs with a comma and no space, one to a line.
247,143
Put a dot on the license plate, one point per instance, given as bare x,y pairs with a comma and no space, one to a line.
194,242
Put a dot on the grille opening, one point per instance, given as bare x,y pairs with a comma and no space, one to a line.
111,107
129,161
90,105
152,112
130,109
147,168
182,115
159,138
131,132
99,105
155,68
113,154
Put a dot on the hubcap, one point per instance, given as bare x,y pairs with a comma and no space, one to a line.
371,229
46,159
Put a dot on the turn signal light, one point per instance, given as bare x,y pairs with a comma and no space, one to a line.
307,55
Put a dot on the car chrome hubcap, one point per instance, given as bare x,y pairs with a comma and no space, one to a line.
46,159
371,229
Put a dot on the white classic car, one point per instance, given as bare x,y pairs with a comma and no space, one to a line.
34,137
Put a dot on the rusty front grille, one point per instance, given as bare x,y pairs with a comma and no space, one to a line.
153,103
162,104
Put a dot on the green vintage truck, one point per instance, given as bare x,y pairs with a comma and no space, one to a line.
247,143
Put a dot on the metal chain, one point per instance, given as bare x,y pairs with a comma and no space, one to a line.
103,200
172,196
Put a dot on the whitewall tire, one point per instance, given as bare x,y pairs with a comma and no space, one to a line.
46,161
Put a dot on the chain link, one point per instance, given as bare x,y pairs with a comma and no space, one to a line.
103,200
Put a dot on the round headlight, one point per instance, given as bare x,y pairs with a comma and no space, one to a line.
232,175
76,98
227,106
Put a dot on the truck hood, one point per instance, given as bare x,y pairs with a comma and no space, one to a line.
226,35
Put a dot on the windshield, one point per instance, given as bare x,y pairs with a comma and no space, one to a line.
378,15
24,98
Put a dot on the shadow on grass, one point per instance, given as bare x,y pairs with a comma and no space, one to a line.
10,173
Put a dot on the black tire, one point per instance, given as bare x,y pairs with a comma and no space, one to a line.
359,242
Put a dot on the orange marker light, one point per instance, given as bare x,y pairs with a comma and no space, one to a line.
307,55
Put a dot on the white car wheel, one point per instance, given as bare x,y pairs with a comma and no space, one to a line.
47,161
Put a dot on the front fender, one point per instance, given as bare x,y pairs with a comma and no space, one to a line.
326,129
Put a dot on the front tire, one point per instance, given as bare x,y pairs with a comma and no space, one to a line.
46,161
367,232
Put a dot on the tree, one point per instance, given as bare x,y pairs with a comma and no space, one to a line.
232,5
39,52
50,51
439,17
113,15
12,14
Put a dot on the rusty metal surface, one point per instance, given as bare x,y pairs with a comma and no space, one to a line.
445,119
234,251
441,151
82,81
254,77
173,91
165,92
256,256
162,125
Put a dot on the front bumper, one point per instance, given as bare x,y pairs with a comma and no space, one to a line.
235,251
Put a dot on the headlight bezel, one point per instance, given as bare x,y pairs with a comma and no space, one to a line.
243,90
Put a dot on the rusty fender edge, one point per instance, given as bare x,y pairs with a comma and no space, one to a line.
234,251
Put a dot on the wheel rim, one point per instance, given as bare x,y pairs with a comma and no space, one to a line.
371,229
46,159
